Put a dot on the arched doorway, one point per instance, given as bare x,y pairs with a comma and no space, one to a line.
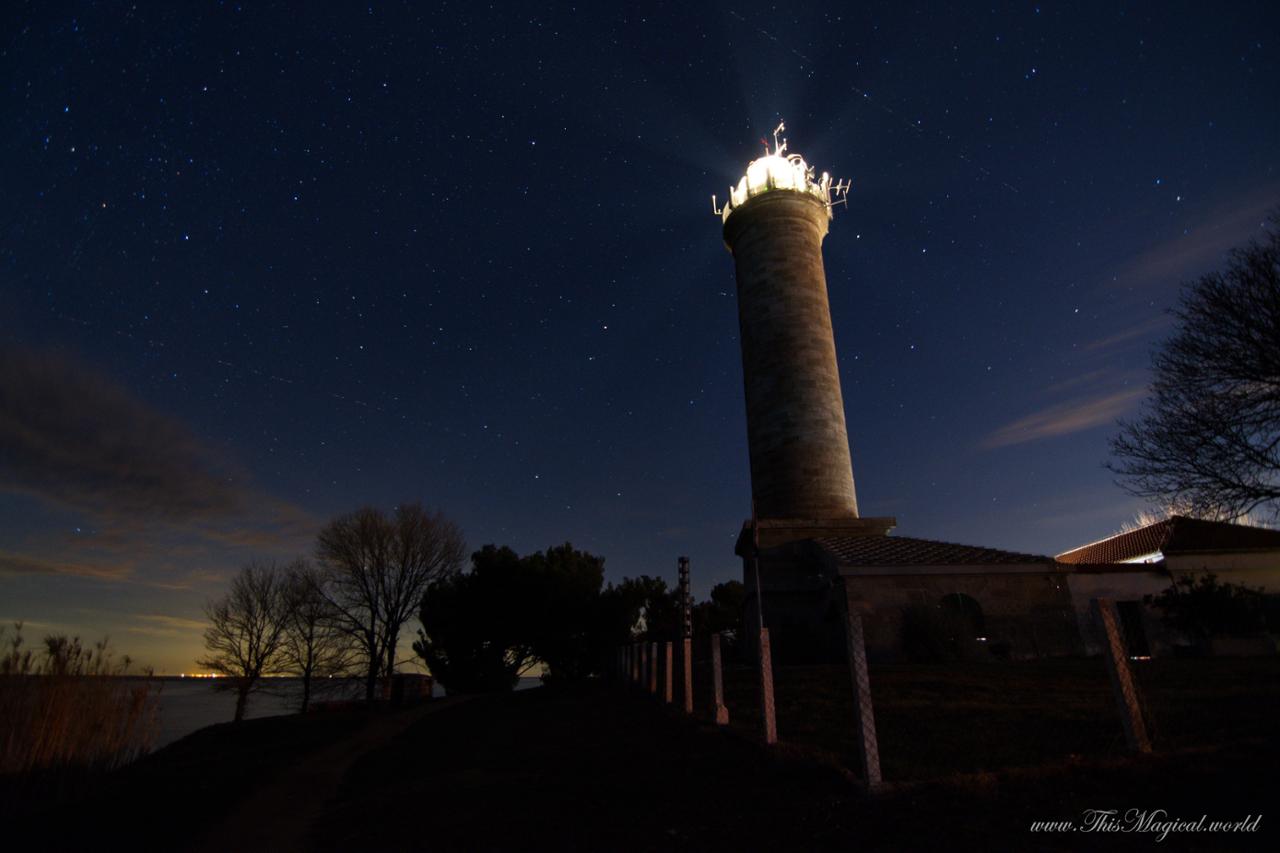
963,618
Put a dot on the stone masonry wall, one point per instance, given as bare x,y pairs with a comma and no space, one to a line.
799,445
1030,612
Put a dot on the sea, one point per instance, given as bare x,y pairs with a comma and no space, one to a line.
187,705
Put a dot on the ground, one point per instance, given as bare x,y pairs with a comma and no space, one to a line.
597,768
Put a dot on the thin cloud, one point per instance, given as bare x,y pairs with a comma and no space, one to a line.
154,496
1201,249
1093,383
1093,377
176,623
1065,418
1124,336
23,564
8,623
266,523
72,436
146,624
151,631
191,580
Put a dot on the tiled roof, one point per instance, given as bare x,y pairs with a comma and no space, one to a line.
1176,534
1124,546
906,551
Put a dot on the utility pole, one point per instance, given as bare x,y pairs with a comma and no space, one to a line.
686,613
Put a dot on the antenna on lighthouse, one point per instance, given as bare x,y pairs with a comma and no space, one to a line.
840,193
778,149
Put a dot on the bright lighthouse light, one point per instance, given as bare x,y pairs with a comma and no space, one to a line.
778,170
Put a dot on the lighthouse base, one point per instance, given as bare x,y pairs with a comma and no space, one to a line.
803,622
918,598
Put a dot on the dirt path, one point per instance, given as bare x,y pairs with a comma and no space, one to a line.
277,816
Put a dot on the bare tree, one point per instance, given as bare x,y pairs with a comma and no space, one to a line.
350,549
1209,436
378,567
315,644
246,632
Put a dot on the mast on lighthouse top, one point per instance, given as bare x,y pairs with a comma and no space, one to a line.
778,170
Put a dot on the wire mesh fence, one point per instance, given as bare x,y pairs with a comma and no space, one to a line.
934,720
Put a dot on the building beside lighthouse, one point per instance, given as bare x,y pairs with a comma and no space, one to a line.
808,555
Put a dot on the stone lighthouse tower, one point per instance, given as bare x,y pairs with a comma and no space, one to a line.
775,220
774,224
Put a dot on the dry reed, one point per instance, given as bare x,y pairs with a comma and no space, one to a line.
70,708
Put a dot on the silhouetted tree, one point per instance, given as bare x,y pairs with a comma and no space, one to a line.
315,644
618,610
246,633
378,567
652,608
482,630
722,613
1209,437
478,628
564,585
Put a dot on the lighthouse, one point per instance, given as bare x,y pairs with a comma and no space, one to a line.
774,222
810,561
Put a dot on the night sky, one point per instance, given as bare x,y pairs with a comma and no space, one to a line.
260,265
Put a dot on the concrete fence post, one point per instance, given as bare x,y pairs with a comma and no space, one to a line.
720,710
666,681
766,689
1126,692
863,712
688,674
